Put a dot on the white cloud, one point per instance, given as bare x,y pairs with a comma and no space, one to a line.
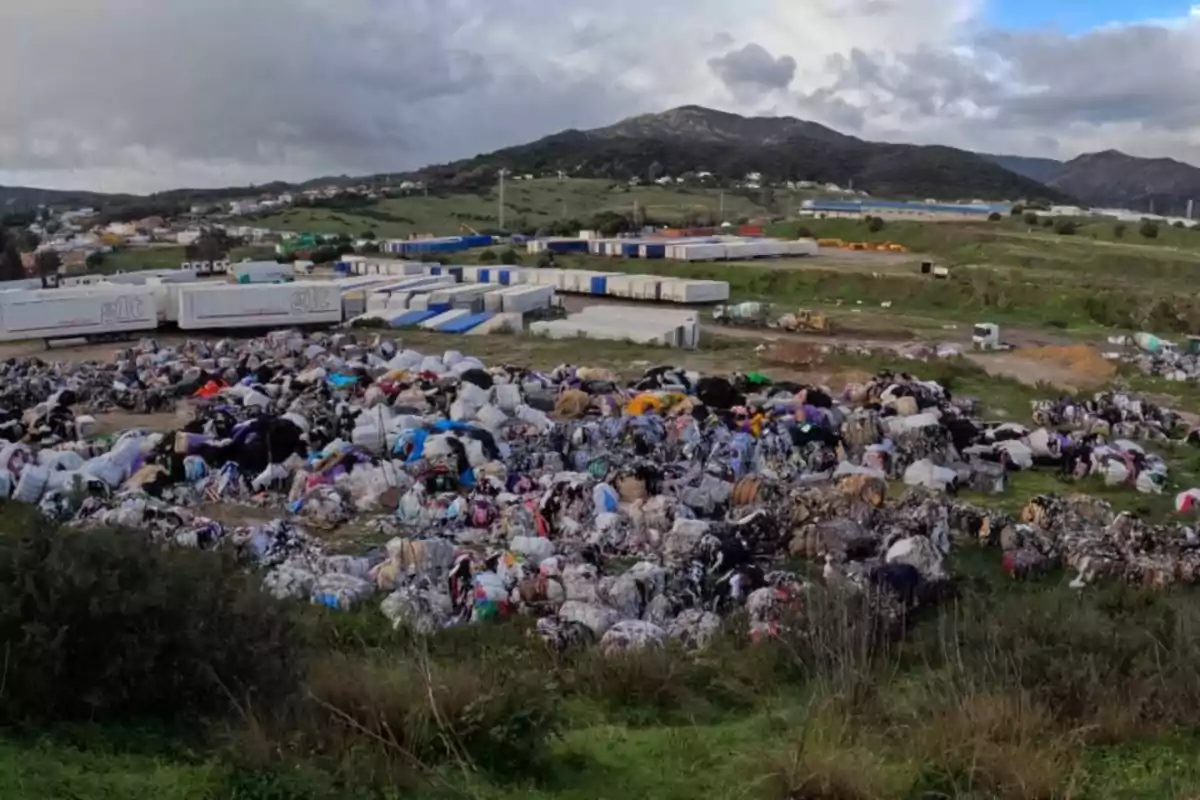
144,94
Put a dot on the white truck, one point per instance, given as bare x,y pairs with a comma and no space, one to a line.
986,337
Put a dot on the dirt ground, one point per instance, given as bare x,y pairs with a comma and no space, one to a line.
1076,368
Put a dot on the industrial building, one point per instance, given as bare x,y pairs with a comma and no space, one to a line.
900,209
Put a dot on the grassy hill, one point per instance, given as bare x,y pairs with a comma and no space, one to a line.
528,203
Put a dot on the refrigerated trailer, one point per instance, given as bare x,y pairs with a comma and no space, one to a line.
269,305
102,311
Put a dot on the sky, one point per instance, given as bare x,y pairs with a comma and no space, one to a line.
144,95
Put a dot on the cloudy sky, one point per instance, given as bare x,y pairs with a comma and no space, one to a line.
139,95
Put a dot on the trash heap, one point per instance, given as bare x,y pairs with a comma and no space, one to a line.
620,513
1157,357
1084,534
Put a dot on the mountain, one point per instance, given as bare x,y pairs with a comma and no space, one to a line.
1042,170
22,198
692,139
1115,179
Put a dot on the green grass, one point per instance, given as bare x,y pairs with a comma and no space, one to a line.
132,259
533,203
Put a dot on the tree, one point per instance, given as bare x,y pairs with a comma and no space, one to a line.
1031,218
994,216
48,262
1048,223
545,259
509,257
1149,229
1065,227
325,255
94,261
1119,230
11,268
655,171
1017,210
1177,223
368,235
370,248
803,233
875,225
28,241
488,257
211,246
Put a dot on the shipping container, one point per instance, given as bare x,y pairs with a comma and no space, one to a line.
523,299
445,317
262,272
97,311
203,307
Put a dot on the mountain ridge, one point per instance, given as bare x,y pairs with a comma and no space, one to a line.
693,138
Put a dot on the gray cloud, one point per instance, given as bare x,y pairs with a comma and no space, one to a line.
754,68
144,94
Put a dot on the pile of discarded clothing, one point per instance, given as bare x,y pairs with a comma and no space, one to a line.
1084,534
505,490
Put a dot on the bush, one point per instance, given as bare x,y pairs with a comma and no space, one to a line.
804,233
1031,218
545,260
510,257
1065,227
488,257
492,715
1119,230
875,225
108,625
1017,210
1177,224
1149,230
1047,223
994,217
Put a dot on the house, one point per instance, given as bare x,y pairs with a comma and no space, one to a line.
187,237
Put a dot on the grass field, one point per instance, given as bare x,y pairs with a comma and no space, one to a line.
132,259
530,202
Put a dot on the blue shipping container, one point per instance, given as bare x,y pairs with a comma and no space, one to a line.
408,318
505,277
435,270
656,251
485,275
630,250
599,284
464,324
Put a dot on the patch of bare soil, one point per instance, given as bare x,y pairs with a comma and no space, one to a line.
1075,367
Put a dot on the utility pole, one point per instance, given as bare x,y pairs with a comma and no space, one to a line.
722,208
503,172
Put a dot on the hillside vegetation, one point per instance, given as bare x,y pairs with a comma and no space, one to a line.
530,204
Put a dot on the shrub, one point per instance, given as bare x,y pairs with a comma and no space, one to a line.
545,260
803,233
108,625
1047,223
1031,218
994,217
486,713
1017,210
1119,230
1065,227
488,257
875,225
1177,224
1149,230
509,256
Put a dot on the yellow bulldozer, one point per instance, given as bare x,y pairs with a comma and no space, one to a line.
805,321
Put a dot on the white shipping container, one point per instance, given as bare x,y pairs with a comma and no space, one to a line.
681,290
253,306
803,247
523,299
262,272
68,313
